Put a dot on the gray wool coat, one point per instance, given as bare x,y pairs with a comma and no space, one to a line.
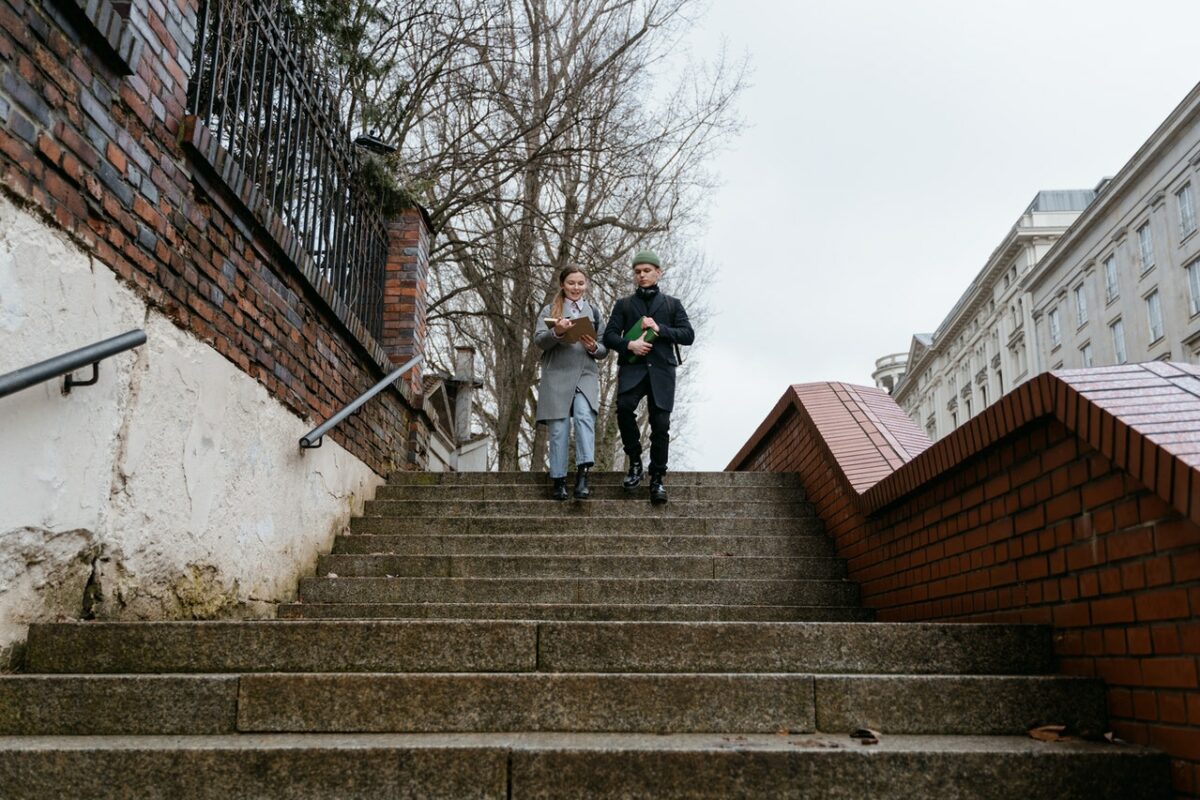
566,367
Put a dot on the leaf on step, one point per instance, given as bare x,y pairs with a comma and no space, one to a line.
866,736
1049,733
331,575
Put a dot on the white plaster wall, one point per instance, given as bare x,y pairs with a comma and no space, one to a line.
172,489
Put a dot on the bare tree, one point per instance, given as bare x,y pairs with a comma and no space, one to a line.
538,133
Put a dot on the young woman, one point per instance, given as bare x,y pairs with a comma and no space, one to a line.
570,385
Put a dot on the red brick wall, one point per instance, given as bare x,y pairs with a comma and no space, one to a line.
97,152
1019,517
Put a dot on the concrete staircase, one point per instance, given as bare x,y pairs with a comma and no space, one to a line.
469,638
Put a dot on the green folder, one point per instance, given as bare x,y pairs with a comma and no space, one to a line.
636,333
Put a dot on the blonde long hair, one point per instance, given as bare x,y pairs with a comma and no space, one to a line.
560,298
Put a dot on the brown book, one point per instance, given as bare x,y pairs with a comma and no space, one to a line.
580,327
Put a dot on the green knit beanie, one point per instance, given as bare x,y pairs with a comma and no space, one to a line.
647,257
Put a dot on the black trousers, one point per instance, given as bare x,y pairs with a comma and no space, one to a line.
660,425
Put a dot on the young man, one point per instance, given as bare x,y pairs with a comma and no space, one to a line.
647,369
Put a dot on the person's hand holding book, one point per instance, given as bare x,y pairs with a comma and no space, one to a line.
640,347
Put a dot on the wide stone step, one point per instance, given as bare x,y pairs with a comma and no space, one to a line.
551,512
877,648
804,525
573,611
545,566
747,479
589,590
576,544
612,491
514,702
475,702
565,765
492,646
76,705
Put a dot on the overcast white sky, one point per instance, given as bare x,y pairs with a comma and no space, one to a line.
890,146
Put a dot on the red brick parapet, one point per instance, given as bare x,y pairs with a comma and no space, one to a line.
1073,501
405,282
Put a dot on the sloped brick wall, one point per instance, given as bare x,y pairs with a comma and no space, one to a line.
1071,502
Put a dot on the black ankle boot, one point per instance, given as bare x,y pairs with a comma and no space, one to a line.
633,478
560,489
658,493
582,490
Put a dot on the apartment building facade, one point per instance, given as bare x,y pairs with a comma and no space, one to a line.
1123,284
1084,278
982,348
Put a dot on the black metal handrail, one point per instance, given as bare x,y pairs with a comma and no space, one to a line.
67,363
313,438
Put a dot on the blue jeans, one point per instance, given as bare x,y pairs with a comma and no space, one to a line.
585,437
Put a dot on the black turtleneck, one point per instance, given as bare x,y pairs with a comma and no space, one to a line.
647,293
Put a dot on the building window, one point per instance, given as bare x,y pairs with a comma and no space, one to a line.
968,409
1146,246
1000,381
1111,288
1193,275
983,401
1085,354
1154,315
1118,340
1187,210
1055,327
1081,316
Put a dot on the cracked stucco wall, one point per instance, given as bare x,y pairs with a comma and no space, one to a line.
172,489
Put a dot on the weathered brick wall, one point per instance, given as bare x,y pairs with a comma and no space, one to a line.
1039,510
98,152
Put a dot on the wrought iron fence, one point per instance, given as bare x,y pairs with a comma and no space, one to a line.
264,103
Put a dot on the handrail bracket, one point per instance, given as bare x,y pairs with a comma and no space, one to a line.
69,382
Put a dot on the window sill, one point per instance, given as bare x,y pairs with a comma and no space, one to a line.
1187,237
1155,341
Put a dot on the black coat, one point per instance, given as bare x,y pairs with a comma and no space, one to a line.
660,363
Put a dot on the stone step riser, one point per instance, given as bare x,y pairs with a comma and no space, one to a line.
541,702
555,766
551,512
733,479
414,703
548,590
592,526
573,611
425,566
445,646
583,545
517,491
830,769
